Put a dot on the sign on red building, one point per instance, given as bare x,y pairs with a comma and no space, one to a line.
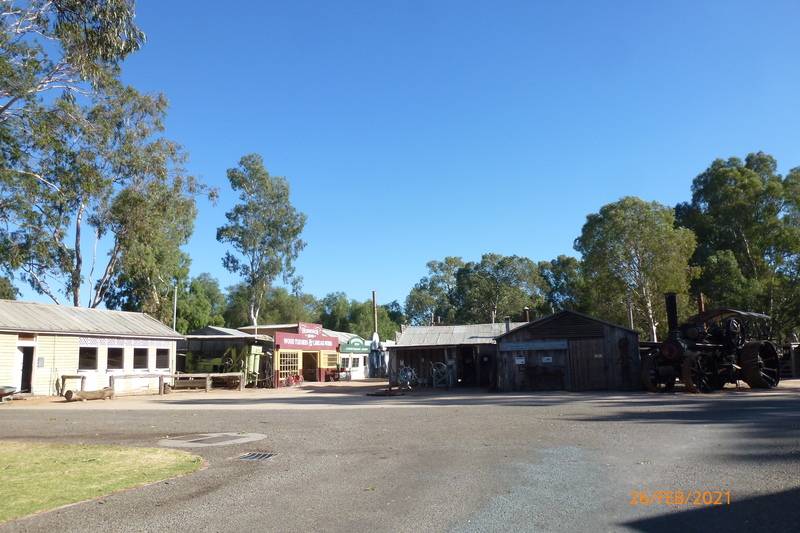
309,337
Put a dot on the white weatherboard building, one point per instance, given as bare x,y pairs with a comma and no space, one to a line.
39,343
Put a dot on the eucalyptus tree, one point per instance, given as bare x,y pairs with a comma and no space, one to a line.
263,230
100,167
632,254
52,48
431,298
747,220
342,314
498,286
200,304
563,281
61,45
79,151
279,307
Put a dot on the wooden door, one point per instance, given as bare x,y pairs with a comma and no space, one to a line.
587,365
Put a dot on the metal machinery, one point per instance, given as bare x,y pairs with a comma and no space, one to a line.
711,349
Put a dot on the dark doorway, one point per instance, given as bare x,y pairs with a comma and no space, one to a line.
26,385
467,373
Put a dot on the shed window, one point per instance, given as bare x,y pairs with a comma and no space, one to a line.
116,359
162,358
356,362
140,358
87,359
333,360
345,362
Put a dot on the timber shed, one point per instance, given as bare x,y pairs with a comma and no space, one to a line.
568,351
40,343
469,350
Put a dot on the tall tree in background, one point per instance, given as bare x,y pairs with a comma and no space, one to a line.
498,286
747,220
351,316
100,168
200,304
564,283
85,158
264,230
632,254
431,298
70,47
279,307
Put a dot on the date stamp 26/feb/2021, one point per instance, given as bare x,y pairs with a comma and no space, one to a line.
670,497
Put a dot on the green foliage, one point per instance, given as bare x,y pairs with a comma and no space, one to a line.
499,286
432,298
87,159
69,45
200,304
263,230
279,307
99,167
7,289
340,314
747,220
564,283
632,254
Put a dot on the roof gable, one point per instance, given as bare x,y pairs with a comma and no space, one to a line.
568,323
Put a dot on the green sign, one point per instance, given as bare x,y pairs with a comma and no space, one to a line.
356,345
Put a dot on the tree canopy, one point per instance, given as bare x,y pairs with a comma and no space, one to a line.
632,254
747,220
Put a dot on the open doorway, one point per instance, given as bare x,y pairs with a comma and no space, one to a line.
310,366
26,381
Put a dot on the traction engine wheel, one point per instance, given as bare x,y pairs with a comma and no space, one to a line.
699,374
760,365
735,332
653,380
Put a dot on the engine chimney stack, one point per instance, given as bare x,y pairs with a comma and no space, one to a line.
672,310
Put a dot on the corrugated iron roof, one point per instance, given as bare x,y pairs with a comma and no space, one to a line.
452,335
31,317
343,336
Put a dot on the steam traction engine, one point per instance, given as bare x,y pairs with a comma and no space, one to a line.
713,348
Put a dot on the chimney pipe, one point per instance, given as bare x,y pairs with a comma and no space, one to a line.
672,310
527,314
508,324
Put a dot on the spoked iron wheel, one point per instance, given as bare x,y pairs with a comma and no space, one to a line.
735,332
653,380
760,365
699,374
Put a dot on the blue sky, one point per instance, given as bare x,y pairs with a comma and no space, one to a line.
411,131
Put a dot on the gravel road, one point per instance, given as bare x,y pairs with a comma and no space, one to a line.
439,461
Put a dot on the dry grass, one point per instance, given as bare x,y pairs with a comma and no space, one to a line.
37,477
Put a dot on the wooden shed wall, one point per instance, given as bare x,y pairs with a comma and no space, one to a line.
584,354
9,376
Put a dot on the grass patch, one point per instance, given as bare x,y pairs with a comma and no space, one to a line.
37,477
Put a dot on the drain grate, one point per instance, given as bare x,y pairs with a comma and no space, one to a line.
255,456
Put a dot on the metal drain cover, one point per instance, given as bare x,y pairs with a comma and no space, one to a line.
210,439
255,456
